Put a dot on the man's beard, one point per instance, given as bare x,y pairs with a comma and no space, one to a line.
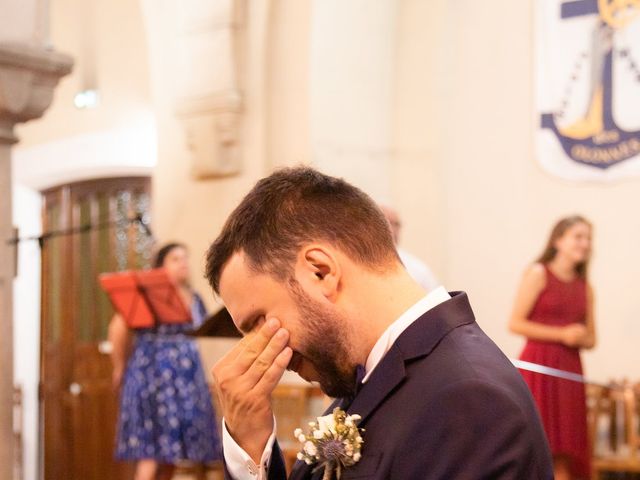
325,344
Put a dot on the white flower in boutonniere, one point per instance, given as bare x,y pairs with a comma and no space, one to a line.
334,442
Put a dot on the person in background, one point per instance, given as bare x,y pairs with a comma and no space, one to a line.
418,270
166,414
554,311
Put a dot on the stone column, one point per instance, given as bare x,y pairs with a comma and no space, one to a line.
352,62
199,46
28,76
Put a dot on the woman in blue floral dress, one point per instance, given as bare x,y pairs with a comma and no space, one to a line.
166,412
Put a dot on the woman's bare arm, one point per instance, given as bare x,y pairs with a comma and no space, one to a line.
120,338
532,283
589,340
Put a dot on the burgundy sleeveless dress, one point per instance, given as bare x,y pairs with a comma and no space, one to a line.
561,403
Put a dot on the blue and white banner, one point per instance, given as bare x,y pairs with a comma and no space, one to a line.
587,71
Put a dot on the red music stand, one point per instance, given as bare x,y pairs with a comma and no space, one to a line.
145,298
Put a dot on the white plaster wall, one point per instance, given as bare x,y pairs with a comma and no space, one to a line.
468,68
107,153
23,21
502,205
351,94
287,83
106,39
419,160
26,317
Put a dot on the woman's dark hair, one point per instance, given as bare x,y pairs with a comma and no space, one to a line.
558,231
164,251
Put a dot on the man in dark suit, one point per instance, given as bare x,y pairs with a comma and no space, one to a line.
309,272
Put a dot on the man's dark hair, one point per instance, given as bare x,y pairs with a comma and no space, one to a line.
294,206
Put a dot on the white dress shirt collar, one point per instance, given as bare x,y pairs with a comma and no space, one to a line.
393,331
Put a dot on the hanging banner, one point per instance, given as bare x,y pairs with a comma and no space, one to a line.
588,88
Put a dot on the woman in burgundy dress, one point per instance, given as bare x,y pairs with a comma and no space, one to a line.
554,311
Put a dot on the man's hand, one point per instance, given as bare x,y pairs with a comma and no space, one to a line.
244,379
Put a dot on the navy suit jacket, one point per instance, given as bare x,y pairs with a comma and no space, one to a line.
444,403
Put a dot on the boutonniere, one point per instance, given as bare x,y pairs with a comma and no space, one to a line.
333,442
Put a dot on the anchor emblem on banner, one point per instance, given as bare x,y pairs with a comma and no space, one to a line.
595,139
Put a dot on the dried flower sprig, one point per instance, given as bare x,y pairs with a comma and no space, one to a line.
334,442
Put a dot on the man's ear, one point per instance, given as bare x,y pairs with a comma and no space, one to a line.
319,270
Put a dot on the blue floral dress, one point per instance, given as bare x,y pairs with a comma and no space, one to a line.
166,412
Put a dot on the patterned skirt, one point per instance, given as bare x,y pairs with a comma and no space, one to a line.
166,412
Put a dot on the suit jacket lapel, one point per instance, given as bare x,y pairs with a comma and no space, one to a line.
418,340
387,376
300,470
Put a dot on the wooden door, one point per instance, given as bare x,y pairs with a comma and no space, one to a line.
78,402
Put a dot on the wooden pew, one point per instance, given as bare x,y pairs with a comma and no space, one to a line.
614,424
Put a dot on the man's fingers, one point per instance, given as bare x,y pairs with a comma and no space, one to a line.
255,344
266,358
274,373
228,359
237,349
241,357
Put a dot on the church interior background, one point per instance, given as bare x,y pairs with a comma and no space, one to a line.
171,109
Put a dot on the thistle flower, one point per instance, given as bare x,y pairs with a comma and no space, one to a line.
333,443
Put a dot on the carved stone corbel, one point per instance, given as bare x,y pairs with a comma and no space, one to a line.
212,130
209,100
28,77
